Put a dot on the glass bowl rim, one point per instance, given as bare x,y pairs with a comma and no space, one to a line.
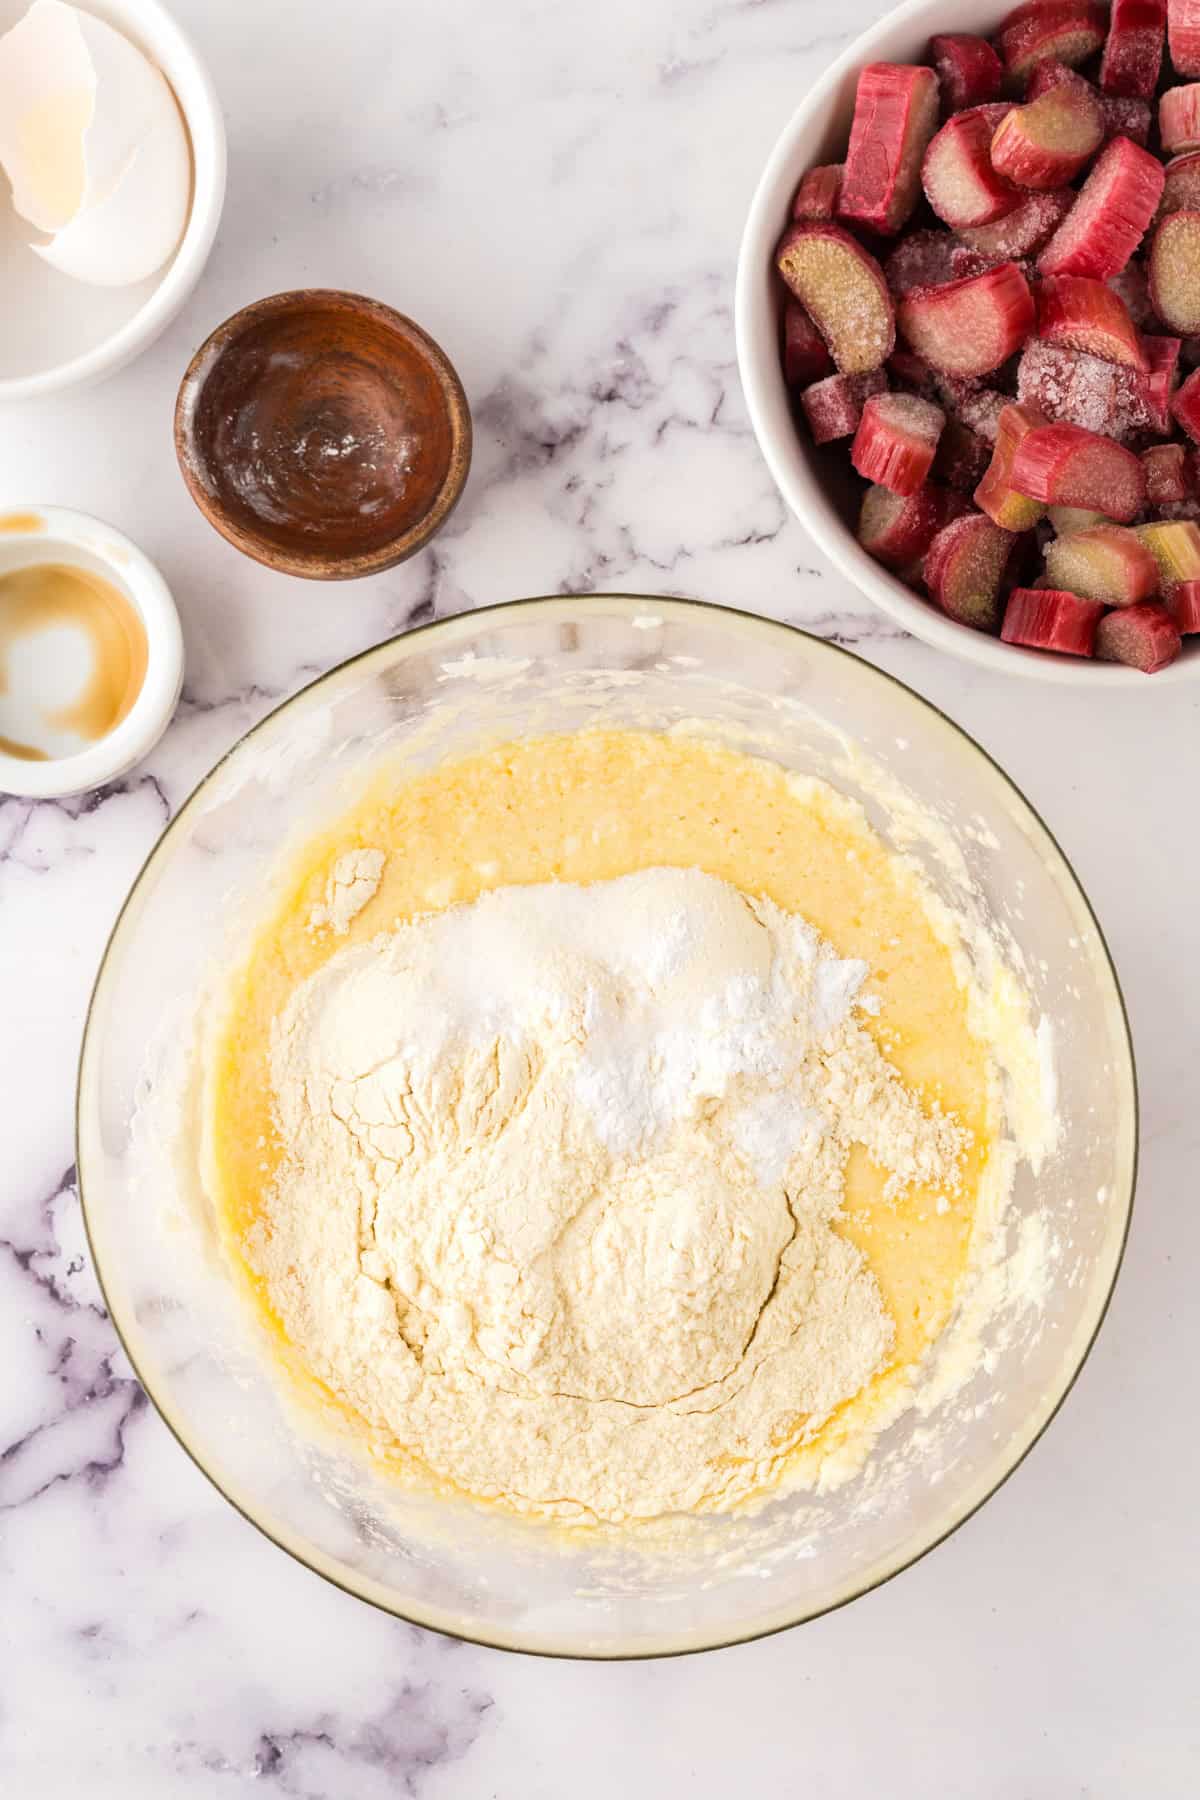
680,607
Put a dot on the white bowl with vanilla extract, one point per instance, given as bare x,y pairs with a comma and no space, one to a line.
91,654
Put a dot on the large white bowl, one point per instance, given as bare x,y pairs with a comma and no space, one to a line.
814,481
58,333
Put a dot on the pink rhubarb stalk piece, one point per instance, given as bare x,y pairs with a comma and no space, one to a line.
1179,119
1168,476
1110,216
805,357
1068,30
1122,115
968,69
1174,265
1181,185
1105,562
841,287
1183,35
897,529
1175,546
1045,144
896,441
1145,637
819,192
1184,607
1150,400
996,493
965,568
1051,619
969,327
833,407
1081,313
1134,47
1185,405
1023,231
957,174
1064,465
895,115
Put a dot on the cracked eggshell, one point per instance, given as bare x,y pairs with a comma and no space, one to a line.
94,145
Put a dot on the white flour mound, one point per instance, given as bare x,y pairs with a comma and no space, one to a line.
560,1169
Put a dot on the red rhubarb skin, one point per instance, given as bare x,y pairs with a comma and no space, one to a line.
1110,217
1084,314
818,194
1179,119
1185,405
833,407
1134,47
1049,465
912,530
1183,35
1051,619
955,541
1018,156
966,138
805,356
895,115
1145,637
891,452
967,68
1184,607
938,321
1167,474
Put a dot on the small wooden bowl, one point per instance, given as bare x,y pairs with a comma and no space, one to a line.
323,434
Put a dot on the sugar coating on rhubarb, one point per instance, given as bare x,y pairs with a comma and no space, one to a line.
1068,31
1179,118
1144,637
1133,50
896,441
1174,264
968,69
1080,313
965,569
841,287
969,327
1045,144
960,181
1105,562
1110,215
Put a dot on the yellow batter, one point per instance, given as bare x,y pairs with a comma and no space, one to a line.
597,805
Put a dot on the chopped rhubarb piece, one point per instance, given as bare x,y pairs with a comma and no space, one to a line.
1107,222
1067,520
841,287
1023,231
922,259
1181,186
1146,637
1068,30
896,441
1168,477
805,358
1175,546
1174,263
980,411
895,115
1045,144
818,194
957,174
1134,46
1080,313
1051,619
965,567
1105,563
968,69
1185,405
1003,503
1179,118
1072,388
969,327
966,261
1122,115
1064,465
962,457
897,529
833,407
1184,607
1183,35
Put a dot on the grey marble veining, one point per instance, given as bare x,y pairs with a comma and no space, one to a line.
556,191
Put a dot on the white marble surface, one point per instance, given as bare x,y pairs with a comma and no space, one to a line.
556,189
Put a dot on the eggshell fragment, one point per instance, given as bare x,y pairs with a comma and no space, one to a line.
93,144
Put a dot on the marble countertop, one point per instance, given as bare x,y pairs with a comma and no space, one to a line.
556,190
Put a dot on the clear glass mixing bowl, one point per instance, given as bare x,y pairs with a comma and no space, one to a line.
561,664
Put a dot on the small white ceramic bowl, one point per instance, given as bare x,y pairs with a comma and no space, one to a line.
814,481
58,333
41,534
